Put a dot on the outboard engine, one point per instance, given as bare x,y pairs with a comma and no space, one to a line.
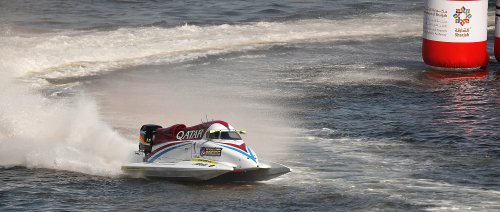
146,137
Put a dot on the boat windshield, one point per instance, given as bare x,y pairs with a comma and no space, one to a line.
214,135
230,135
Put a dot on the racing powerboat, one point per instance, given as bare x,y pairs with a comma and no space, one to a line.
209,151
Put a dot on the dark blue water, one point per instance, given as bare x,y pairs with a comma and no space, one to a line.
336,90
115,13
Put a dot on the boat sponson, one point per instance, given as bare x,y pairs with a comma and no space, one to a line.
185,170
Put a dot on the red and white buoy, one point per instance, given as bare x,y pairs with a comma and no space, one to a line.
497,31
455,34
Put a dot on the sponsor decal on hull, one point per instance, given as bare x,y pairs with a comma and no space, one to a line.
210,151
204,160
190,135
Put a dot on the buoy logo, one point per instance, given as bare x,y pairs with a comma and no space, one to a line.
462,16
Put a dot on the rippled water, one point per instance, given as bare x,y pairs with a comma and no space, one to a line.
335,90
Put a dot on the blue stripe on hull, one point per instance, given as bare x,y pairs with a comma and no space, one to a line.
251,156
165,151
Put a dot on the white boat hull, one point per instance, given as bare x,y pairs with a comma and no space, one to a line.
203,171
184,170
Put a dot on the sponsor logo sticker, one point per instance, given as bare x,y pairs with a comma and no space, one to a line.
462,16
204,160
189,135
210,151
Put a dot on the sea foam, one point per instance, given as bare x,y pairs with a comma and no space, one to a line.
70,54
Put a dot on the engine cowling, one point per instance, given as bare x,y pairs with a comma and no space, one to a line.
146,137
